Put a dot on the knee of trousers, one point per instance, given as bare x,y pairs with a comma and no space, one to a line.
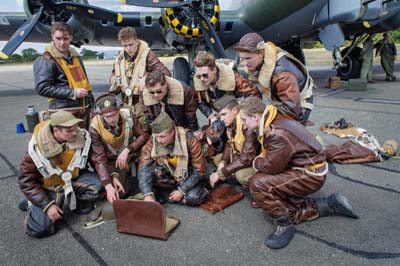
196,196
39,224
258,183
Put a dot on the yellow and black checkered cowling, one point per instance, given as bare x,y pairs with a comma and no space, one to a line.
184,30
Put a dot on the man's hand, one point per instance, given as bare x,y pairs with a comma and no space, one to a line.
54,213
112,193
212,118
149,198
117,185
213,179
121,159
81,93
198,134
176,196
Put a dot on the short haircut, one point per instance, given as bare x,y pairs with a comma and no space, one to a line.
232,104
155,77
204,59
61,26
252,105
126,33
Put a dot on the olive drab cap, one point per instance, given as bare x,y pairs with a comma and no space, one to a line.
223,101
64,119
250,42
162,122
107,103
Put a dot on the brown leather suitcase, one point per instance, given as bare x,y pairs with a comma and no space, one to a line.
220,198
144,218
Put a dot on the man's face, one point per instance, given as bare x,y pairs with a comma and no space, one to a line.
62,41
158,91
252,61
249,122
66,134
111,118
206,75
228,116
130,46
165,137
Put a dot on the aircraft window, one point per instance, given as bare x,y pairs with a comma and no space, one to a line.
149,20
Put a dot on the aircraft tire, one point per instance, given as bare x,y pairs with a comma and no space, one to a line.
181,70
353,63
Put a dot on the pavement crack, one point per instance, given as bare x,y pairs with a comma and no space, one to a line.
10,165
381,168
332,169
371,255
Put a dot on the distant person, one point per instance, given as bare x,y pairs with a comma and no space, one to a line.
214,79
367,57
387,49
54,174
283,79
130,68
60,75
291,166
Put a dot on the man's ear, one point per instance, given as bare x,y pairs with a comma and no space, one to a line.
236,109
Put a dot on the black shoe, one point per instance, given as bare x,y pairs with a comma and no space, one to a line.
281,236
341,205
24,205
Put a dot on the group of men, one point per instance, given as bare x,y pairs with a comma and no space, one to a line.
150,140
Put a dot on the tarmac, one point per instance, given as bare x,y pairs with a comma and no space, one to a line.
234,236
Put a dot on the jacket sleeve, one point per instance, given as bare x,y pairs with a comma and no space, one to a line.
153,64
190,108
146,168
140,133
203,106
198,165
288,93
45,72
249,152
245,87
30,184
279,153
98,155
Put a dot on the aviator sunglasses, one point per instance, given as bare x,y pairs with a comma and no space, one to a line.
205,75
155,92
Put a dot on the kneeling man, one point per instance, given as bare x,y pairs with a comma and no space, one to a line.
173,158
290,167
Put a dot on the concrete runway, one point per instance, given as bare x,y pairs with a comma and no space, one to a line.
234,236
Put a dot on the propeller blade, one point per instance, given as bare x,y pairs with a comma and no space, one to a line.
93,12
20,35
156,3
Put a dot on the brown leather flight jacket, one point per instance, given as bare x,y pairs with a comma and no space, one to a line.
100,154
196,165
243,88
251,148
289,144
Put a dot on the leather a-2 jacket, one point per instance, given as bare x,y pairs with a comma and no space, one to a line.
289,144
243,88
183,115
51,81
100,154
196,166
251,148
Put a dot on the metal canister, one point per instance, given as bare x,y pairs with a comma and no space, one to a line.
32,118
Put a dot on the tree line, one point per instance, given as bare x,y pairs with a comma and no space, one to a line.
29,55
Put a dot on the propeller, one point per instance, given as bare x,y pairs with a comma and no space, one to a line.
157,3
78,9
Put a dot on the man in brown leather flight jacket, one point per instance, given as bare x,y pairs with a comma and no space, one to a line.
117,136
172,161
54,173
291,166
216,78
172,96
282,78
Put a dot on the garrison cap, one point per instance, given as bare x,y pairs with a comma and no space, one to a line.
63,119
162,122
250,42
223,101
107,103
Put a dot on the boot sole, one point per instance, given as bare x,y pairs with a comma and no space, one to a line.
347,205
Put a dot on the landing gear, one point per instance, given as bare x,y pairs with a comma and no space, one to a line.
181,70
350,67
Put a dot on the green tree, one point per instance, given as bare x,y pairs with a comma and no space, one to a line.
88,54
15,58
29,54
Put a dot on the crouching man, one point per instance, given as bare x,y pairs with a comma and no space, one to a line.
242,146
172,159
290,167
54,175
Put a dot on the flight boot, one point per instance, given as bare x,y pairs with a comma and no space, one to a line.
335,204
282,235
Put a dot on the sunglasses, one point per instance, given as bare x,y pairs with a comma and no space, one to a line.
155,92
205,75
